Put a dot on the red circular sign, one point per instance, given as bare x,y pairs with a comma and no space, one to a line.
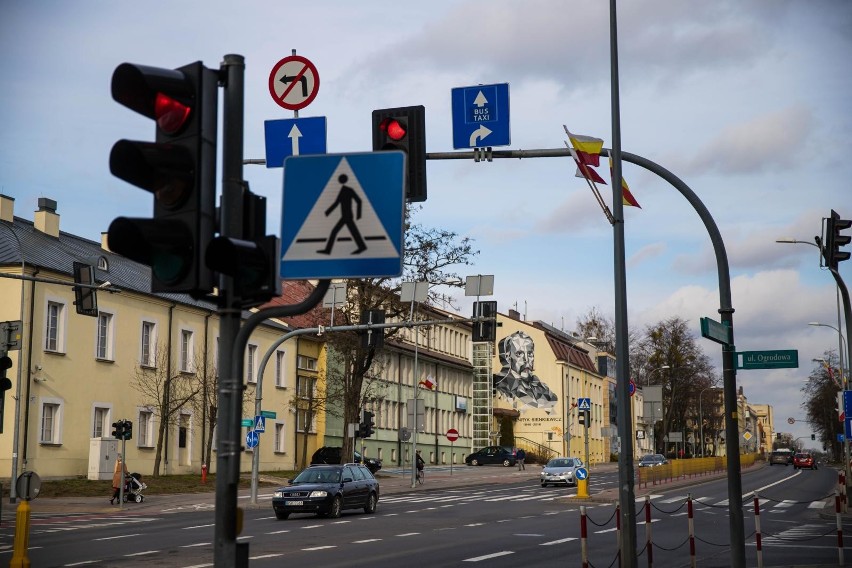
452,434
294,82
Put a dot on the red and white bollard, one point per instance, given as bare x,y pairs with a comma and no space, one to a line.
204,473
691,530
584,552
757,534
839,528
649,542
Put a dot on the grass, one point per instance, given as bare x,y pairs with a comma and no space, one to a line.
163,485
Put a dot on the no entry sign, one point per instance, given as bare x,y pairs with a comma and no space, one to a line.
294,82
452,434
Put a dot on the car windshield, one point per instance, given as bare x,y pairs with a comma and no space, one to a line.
652,458
318,475
561,462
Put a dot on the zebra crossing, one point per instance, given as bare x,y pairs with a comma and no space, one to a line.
53,523
768,506
484,495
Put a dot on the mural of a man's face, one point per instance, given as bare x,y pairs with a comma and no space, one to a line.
522,355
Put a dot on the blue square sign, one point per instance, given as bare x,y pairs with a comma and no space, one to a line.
481,116
293,137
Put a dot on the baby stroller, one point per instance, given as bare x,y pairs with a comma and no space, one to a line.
133,488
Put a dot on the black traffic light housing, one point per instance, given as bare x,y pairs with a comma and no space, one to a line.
834,240
369,424
128,430
118,430
5,384
583,418
179,168
404,128
485,330
85,299
372,338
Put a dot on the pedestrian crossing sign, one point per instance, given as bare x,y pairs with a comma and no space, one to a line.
259,423
584,403
342,215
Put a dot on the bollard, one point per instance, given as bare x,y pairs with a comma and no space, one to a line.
649,540
758,538
584,551
583,488
204,473
691,526
839,527
22,536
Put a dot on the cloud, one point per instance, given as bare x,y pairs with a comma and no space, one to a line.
645,253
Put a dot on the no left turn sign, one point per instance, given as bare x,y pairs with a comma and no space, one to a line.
294,82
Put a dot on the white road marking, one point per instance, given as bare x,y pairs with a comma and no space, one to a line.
489,556
560,541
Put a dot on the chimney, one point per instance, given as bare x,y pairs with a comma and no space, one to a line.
46,218
7,208
105,241
514,314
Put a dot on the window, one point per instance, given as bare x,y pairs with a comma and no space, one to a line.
279,437
51,421
101,422
145,434
148,356
186,350
251,361
280,368
302,422
306,363
53,340
104,348
305,388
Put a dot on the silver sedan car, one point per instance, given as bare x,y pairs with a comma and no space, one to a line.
560,470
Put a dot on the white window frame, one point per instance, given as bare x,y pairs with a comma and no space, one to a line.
58,406
148,353
54,331
105,336
306,363
251,363
145,434
281,369
105,409
280,437
187,349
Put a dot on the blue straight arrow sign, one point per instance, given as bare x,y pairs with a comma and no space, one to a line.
294,137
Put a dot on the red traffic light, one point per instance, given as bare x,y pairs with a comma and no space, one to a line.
170,114
143,89
395,129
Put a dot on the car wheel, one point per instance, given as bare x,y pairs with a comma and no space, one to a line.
543,484
474,462
281,515
334,512
370,507
507,463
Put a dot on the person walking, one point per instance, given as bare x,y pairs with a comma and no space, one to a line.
118,475
520,456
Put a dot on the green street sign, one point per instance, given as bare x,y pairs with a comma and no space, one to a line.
247,422
268,413
716,331
777,359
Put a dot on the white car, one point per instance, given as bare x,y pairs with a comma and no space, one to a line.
560,470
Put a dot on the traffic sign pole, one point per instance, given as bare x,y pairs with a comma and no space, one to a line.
452,436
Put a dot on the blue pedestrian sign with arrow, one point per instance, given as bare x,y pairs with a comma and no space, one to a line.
584,403
581,473
294,137
481,116
342,215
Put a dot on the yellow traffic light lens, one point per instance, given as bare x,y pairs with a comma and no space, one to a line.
170,114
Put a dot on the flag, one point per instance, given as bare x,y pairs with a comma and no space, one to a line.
591,174
588,148
427,384
626,197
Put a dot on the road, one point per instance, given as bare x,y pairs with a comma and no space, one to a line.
490,524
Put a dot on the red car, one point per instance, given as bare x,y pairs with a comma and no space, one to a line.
802,460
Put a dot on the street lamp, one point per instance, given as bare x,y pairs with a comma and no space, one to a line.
701,419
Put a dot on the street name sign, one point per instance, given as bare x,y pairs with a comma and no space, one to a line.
269,414
294,82
247,422
342,215
294,137
716,331
778,359
481,116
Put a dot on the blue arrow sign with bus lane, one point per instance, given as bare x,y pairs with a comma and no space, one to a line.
294,137
481,116
342,215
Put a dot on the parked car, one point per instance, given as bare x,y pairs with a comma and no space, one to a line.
782,457
503,455
326,490
653,460
560,470
331,455
804,460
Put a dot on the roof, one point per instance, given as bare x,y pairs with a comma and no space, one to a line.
565,349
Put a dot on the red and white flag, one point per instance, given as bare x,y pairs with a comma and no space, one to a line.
427,383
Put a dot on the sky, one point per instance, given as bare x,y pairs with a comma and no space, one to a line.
746,102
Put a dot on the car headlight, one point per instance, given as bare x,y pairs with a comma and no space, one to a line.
318,494
278,494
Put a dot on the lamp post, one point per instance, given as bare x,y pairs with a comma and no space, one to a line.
701,418
414,292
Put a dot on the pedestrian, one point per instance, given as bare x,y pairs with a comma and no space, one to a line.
118,476
521,455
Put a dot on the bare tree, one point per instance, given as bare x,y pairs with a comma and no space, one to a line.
820,403
165,393
206,406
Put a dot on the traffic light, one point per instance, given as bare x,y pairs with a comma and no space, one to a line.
813,436
834,240
118,430
485,330
179,168
369,424
85,299
5,384
372,338
128,430
253,261
404,129
583,418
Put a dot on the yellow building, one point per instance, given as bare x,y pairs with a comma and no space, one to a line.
75,375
